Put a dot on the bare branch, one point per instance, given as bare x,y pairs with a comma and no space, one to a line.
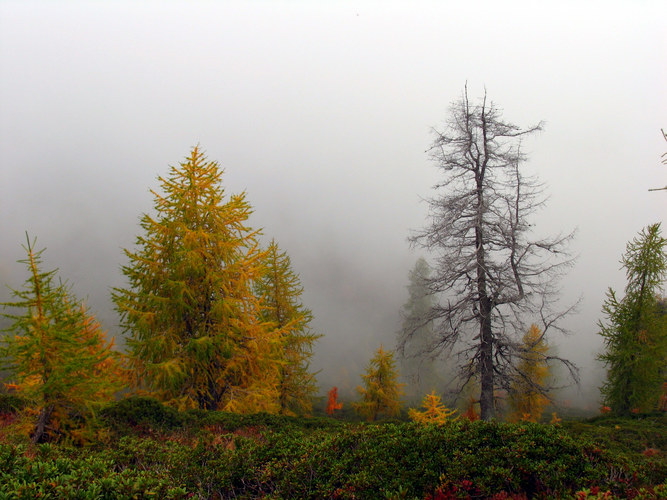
664,161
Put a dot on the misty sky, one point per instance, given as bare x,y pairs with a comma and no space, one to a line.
321,112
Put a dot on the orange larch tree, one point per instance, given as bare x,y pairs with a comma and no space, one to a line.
434,412
332,401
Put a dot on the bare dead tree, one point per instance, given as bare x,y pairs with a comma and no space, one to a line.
490,278
664,162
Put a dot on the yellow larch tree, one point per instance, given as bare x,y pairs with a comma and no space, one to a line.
381,392
527,396
280,290
196,334
435,412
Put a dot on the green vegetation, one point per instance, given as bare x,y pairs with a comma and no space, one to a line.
635,333
153,451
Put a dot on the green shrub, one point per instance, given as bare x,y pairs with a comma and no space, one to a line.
634,433
142,413
363,460
51,475
233,421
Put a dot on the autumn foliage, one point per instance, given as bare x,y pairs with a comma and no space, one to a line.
212,321
58,357
381,392
283,313
434,412
332,401
196,335
470,412
527,395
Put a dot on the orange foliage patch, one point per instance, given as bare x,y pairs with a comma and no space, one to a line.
332,402
470,412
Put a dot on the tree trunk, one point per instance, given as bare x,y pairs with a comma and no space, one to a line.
42,421
486,403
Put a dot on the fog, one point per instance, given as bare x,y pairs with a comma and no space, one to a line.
321,112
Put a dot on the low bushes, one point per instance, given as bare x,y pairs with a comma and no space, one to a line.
43,472
220,455
141,414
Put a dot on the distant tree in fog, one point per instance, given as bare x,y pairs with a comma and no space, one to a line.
664,162
489,274
415,346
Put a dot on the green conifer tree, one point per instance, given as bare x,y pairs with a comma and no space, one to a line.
196,337
280,290
635,333
57,356
380,396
